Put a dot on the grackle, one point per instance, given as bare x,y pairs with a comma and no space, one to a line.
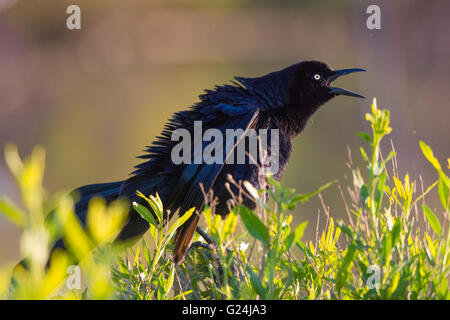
282,100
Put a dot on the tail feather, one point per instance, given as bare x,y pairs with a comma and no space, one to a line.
108,191
135,225
184,237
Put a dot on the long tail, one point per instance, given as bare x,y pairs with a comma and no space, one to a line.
183,238
135,225
108,191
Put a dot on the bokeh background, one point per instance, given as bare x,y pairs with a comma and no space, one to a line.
94,98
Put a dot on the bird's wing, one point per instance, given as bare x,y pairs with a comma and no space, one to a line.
195,174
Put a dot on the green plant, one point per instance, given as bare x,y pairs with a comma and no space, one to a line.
154,278
38,280
387,254
383,251
391,246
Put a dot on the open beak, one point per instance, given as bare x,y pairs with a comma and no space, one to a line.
339,91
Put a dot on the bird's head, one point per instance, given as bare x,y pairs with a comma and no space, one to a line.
311,81
304,86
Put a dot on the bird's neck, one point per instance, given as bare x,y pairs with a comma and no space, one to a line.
290,120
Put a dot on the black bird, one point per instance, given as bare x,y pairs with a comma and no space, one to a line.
282,100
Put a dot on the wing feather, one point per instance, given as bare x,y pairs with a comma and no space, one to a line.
206,174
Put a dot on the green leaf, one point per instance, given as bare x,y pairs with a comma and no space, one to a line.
154,232
181,220
181,295
276,184
306,250
294,236
430,249
345,229
396,230
305,197
387,247
254,225
344,269
365,136
170,280
380,192
389,157
364,154
145,213
136,257
146,254
400,189
256,283
426,192
162,283
155,203
443,192
12,212
428,153
432,219
364,193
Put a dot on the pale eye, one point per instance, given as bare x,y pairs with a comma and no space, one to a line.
317,76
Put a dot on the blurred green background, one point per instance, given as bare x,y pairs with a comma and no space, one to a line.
94,98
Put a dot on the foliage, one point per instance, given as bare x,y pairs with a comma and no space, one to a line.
392,246
38,280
